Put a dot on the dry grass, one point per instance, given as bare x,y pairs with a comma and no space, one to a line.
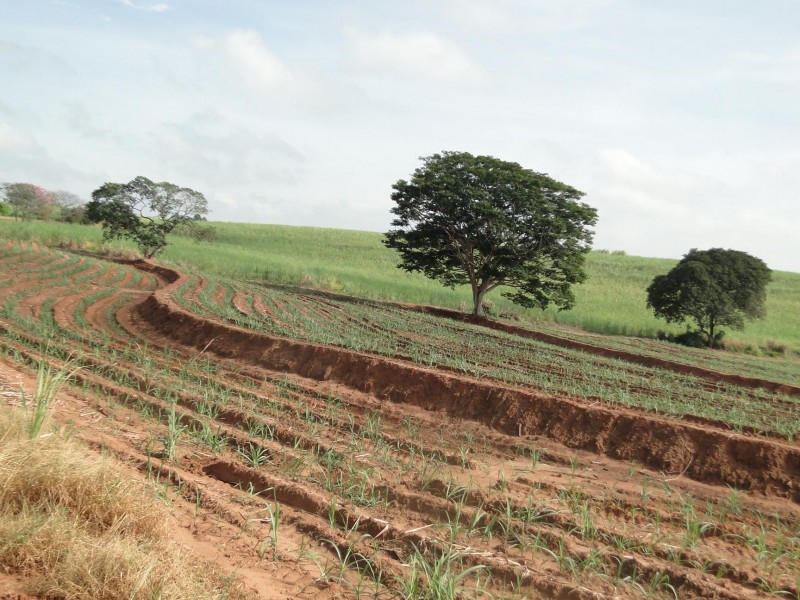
77,528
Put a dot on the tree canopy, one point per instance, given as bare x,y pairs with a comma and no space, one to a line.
70,207
478,220
146,212
28,201
714,288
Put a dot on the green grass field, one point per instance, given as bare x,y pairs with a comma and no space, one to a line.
612,301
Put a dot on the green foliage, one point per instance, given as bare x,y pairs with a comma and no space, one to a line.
714,288
692,339
28,201
73,214
48,382
68,206
611,301
146,212
442,576
477,220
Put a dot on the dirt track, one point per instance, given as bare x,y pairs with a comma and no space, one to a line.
370,458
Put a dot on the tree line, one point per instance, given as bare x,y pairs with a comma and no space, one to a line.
140,210
461,220
28,201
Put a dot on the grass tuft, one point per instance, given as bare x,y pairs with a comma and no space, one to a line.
48,381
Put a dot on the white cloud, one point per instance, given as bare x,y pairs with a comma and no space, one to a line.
209,148
416,53
237,167
309,111
148,7
12,140
258,66
513,16
227,199
565,16
624,165
660,207
23,158
636,186
781,66
480,14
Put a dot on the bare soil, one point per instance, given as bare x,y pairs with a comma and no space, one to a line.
370,460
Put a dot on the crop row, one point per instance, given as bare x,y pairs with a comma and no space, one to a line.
525,514
779,368
318,441
429,340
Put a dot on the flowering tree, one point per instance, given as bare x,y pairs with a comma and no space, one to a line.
28,201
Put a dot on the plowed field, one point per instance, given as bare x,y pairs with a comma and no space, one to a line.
328,447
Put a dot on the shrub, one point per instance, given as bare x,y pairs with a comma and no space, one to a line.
690,338
775,349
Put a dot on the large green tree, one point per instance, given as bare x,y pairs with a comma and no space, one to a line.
714,288
478,220
146,212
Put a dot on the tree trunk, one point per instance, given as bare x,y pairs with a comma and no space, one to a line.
711,334
478,292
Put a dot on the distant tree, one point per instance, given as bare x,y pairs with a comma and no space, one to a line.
70,207
478,220
28,201
714,288
145,212
6,209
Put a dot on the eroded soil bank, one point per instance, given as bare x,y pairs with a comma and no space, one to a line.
669,445
312,471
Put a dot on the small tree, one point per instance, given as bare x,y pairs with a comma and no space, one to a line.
714,288
145,211
477,220
69,206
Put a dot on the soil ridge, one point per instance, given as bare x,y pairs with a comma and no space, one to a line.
557,340
648,361
668,445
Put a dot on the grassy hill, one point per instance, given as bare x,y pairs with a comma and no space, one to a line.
612,301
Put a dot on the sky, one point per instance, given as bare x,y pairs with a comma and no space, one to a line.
679,120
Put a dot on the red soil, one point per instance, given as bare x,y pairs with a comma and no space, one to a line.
669,445
640,476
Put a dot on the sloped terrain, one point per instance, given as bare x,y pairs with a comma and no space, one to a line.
323,447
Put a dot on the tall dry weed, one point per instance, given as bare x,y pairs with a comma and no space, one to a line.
77,527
